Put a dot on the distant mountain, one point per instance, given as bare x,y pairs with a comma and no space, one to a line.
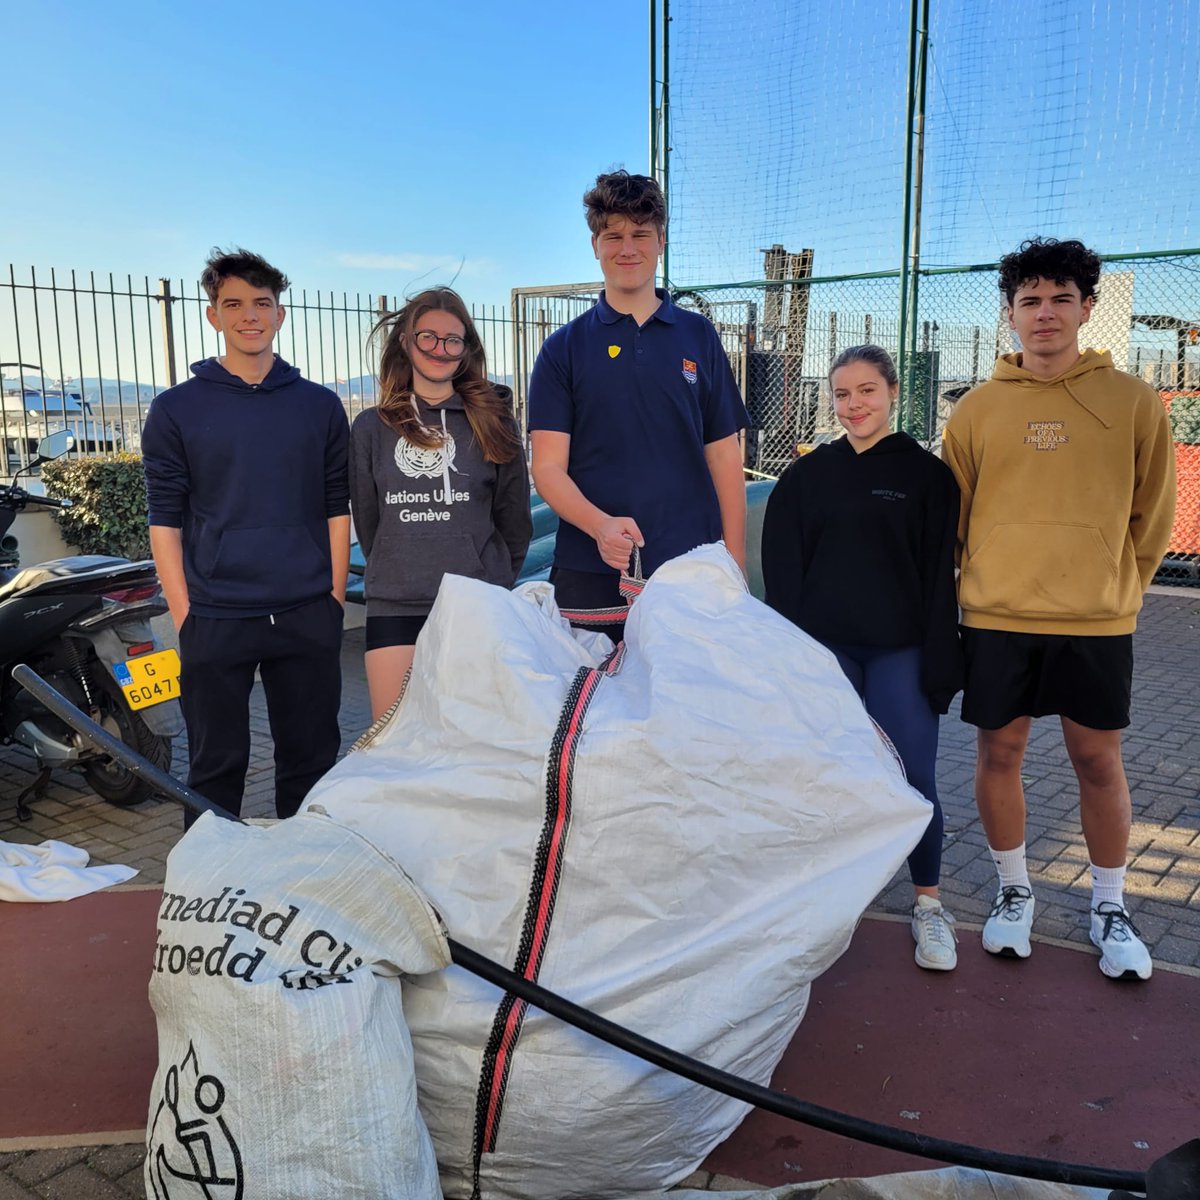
363,388
101,392
113,392
359,388
42,394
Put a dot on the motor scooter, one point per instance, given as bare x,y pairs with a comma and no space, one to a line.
84,623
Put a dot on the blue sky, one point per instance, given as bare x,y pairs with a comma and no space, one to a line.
360,146
366,147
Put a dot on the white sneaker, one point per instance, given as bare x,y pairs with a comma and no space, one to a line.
1006,931
1123,954
933,929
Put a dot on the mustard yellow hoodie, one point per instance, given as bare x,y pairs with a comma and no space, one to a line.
1068,495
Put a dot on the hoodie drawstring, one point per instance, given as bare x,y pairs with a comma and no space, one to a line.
445,447
1009,370
1083,404
445,460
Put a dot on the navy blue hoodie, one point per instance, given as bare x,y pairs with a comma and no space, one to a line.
251,474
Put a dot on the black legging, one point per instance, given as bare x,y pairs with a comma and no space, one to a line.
889,681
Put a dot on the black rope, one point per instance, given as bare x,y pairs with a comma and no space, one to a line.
60,706
902,1140
830,1120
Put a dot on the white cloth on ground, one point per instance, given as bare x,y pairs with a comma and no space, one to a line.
52,871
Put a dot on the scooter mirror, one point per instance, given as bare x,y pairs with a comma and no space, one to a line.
55,445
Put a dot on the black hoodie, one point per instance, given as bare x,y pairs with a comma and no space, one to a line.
251,474
858,550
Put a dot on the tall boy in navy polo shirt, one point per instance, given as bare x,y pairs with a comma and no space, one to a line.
634,415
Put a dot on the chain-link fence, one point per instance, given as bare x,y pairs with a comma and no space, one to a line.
781,335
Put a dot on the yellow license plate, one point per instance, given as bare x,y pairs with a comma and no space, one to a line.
149,679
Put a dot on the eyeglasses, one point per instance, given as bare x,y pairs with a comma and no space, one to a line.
429,341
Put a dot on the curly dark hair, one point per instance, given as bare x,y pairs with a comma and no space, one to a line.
241,264
488,408
1048,258
619,194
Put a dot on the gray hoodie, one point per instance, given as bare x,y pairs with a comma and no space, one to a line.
421,514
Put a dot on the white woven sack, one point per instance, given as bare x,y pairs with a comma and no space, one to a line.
285,1067
680,841
947,1183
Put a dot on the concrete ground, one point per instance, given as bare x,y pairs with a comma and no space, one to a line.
1163,885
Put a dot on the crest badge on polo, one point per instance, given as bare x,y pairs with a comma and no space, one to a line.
689,370
613,351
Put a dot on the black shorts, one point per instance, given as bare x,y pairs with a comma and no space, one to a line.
393,631
1009,675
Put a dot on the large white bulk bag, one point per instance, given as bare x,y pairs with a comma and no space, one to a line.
680,840
285,1067
947,1183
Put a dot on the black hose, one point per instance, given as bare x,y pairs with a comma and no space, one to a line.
61,707
901,1140
828,1119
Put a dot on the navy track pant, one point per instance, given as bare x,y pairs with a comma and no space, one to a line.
298,656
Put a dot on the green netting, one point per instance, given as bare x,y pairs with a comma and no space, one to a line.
787,125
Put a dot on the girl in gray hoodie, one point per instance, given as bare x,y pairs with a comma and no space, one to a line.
438,481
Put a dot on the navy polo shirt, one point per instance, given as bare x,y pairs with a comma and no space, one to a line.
640,405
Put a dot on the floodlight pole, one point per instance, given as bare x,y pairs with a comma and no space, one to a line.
653,111
665,147
914,157
660,103
919,174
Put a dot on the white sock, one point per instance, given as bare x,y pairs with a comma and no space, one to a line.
1108,883
1010,866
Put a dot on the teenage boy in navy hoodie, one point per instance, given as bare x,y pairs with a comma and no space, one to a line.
246,475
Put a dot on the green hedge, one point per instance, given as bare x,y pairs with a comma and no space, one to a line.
1185,419
108,503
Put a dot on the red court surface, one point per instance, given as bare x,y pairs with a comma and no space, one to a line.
79,1046
1042,1057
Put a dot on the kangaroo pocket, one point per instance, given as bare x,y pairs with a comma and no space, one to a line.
410,569
268,564
1042,569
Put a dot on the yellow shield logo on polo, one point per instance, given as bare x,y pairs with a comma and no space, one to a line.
613,351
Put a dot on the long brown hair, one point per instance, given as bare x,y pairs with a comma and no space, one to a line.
487,409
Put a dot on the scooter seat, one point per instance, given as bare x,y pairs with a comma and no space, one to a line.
55,570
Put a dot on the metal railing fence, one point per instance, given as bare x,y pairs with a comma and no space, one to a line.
536,313
90,352
782,334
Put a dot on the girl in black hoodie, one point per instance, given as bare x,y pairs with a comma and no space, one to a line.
438,483
858,550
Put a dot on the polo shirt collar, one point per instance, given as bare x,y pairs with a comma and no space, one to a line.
665,311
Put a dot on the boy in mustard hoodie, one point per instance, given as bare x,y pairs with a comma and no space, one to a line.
1067,472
